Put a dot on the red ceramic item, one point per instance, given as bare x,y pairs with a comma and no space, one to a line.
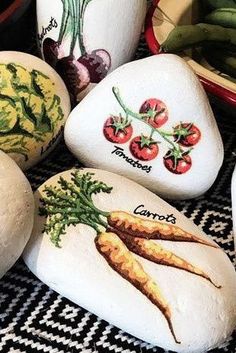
214,84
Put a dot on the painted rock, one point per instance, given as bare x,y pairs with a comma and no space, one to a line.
34,105
16,212
233,188
104,242
104,36
150,120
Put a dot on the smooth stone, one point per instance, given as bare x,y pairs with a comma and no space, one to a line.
34,105
16,212
107,38
233,192
108,270
161,92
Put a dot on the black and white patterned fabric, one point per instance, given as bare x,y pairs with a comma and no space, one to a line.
33,318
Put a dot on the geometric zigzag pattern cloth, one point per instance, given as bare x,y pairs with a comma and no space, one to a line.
33,318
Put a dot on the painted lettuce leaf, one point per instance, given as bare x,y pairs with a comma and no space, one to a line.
30,111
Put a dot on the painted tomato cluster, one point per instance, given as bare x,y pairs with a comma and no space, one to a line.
154,113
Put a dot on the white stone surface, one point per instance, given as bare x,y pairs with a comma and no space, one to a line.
166,78
16,212
202,315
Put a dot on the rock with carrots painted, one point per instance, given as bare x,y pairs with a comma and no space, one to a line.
233,188
103,241
150,120
16,212
34,105
86,39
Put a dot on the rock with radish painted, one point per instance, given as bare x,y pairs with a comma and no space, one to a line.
75,75
98,41
104,242
150,120
97,63
233,189
34,105
16,212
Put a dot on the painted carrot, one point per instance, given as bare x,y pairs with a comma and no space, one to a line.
156,253
122,261
71,203
138,227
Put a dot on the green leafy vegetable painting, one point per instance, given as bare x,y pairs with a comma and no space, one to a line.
30,111
120,235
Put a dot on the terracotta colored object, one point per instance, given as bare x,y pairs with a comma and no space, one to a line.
161,19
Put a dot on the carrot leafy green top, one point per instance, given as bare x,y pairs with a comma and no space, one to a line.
71,203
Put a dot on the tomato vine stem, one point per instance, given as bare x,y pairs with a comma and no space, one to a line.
144,118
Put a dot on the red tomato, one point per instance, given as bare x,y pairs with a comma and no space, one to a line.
157,112
144,148
117,130
180,166
187,134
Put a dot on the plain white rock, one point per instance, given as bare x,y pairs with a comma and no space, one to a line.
166,78
99,273
34,106
233,191
16,212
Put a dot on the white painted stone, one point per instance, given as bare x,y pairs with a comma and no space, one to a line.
34,105
108,36
16,212
203,316
233,191
166,78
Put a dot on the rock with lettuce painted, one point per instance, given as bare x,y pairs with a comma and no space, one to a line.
151,121
16,212
34,105
104,242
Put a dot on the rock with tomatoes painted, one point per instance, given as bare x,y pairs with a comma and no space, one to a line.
16,212
233,188
34,105
150,120
74,39
104,242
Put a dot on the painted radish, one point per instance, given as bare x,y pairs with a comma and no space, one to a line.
52,51
90,67
98,63
75,75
